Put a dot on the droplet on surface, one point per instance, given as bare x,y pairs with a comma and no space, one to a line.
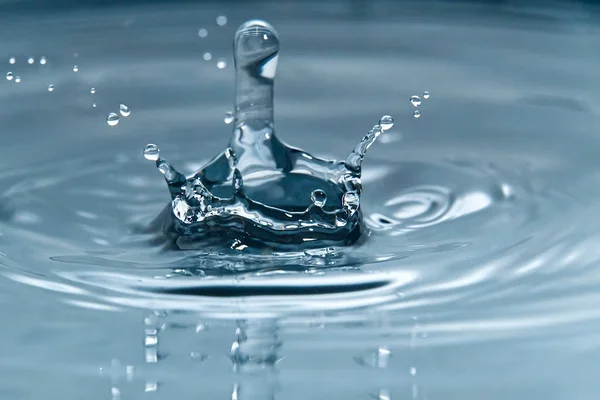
17,79
221,64
9,76
124,110
415,101
417,114
30,60
318,197
207,56
221,20
386,122
43,60
112,119
202,33
93,90
228,117
12,60
151,152
50,88
426,95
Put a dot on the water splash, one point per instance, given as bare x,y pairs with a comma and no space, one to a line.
259,190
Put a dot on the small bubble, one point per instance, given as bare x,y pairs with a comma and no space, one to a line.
124,110
318,197
17,79
9,76
112,119
75,68
426,95
30,60
228,117
151,152
43,60
386,122
50,88
202,33
221,20
417,114
221,64
93,90
207,56
12,60
415,101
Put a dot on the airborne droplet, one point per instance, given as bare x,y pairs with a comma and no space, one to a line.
30,60
12,60
75,68
207,56
426,95
417,114
43,60
415,101
124,110
221,20
50,88
17,79
151,152
93,90
386,122
221,64
9,76
228,117
112,119
202,33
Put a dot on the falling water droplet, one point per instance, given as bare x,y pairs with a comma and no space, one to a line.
30,60
415,101
386,122
17,79
43,60
50,88
93,90
417,114
228,117
426,95
151,152
221,20
112,119
207,56
75,68
319,198
12,60
94,105
202,33
221,64
9,76
124,110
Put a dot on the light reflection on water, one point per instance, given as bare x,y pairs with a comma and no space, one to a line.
479,277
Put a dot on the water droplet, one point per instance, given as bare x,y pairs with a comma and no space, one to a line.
93,90
116,393
50,88
12,60
75,68
415,101
112,119
426,95
43,60
207,56
17,79
221,64
318,197
228,117
30,60
94,105
9,76
202,33
386,122
124,110
417,114
413,371
151,152
221,20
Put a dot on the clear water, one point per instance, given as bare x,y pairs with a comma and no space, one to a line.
477,280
